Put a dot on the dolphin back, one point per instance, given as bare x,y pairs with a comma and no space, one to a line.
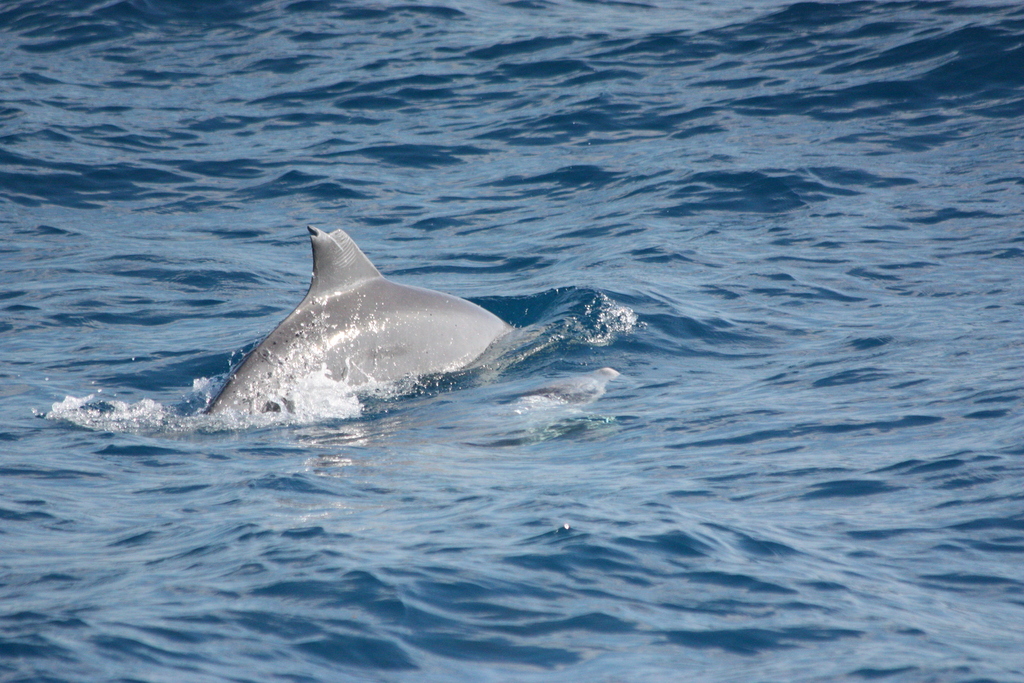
357,328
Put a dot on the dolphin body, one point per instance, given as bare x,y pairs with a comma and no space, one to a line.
355,326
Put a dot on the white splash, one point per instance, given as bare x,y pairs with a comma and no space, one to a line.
316,398
108,415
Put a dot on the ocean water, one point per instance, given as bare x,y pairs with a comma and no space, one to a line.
795,229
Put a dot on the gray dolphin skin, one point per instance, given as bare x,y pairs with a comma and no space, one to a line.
355,327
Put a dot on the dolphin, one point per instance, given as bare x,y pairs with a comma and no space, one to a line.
582,389
356,327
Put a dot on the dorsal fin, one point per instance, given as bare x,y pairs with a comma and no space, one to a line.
338,264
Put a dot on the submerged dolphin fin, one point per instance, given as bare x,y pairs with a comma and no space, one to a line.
338,264
582,389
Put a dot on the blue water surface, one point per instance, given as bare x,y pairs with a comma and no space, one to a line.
794,228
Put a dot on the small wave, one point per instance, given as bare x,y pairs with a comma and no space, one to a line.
600,322
609,320
564,316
